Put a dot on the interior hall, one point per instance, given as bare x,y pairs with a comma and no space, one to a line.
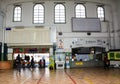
59,41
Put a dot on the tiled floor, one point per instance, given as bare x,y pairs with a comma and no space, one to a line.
67,76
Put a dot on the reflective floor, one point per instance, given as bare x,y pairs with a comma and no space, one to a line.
67,76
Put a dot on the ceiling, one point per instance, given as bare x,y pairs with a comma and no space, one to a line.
22,1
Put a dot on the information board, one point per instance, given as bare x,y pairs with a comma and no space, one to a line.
86,25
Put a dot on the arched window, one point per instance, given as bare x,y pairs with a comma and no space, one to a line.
101,13
80,11
38,16
17,14
59,13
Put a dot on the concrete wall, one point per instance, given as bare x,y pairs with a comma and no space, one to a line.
110,25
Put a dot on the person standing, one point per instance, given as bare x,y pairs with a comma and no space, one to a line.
43,63
40,63
106,62
32,62
18,63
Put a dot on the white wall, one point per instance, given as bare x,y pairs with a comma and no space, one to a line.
1,27
110,15
118,18
118,10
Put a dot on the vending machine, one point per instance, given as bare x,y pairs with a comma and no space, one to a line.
60,58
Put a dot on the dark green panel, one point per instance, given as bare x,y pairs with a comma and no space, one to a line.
117,56
112,56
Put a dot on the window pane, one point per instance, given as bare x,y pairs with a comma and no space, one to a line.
17,13
100,11
59,13
15,19
62,14
35,11
80,11
38,13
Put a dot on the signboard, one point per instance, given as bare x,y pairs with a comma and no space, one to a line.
90,42
79,63
31,50
86,25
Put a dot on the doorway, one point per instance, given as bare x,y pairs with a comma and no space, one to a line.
37,53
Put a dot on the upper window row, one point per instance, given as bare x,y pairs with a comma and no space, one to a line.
59,13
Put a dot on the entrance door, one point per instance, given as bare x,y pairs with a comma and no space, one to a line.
37,57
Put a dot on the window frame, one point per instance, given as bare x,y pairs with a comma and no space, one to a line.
64,14
43,13
14,13
103,12
84,10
